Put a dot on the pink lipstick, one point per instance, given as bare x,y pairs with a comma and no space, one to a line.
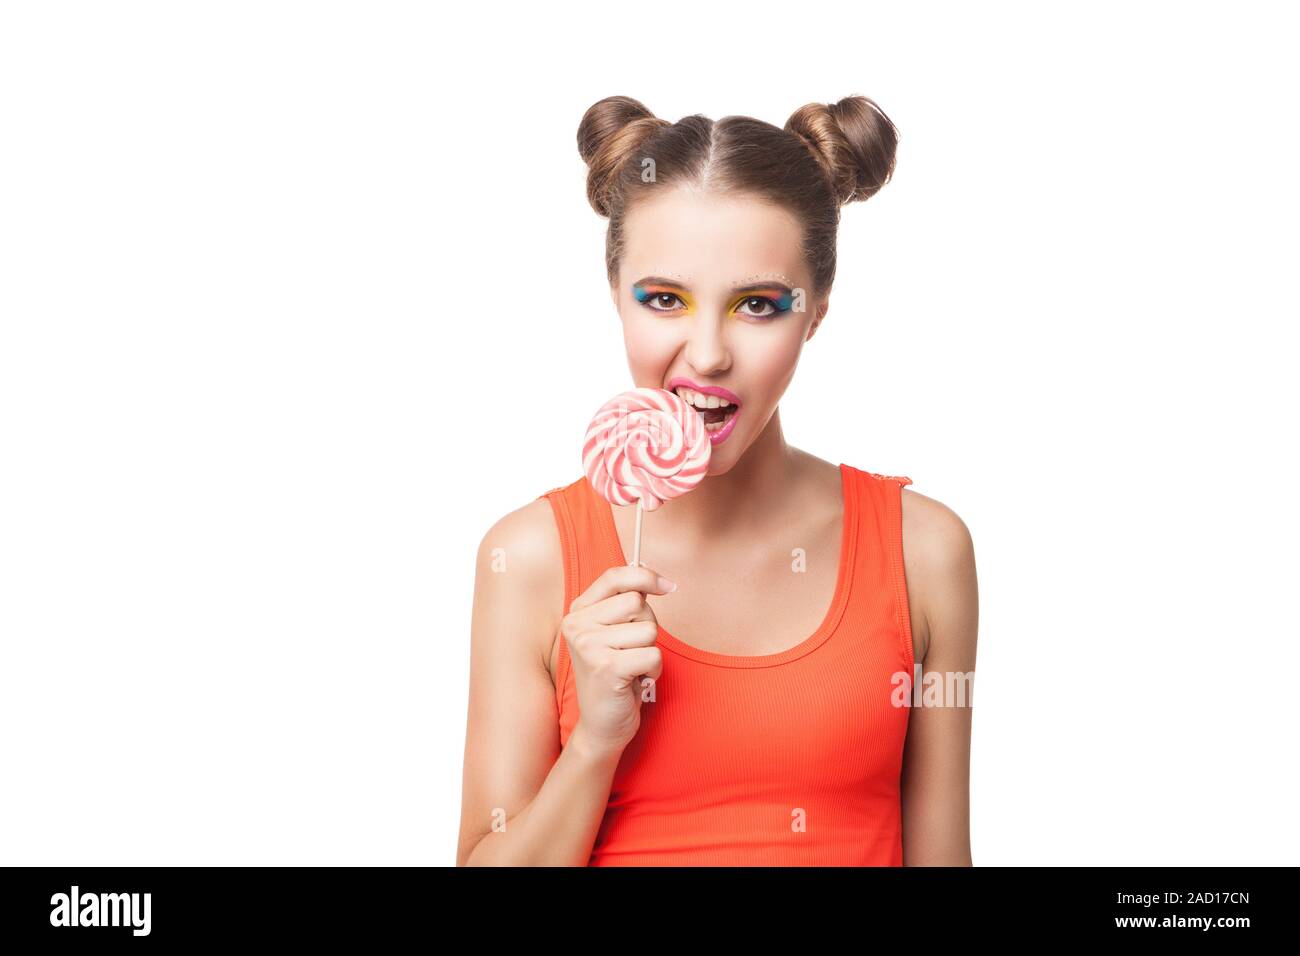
716,435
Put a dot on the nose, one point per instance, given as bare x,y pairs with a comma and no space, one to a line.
707,351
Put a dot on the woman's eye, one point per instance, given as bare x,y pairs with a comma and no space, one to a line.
761,302
659,297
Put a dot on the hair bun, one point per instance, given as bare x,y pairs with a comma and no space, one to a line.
853,141
610,132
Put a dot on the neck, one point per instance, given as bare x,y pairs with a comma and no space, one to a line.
743,498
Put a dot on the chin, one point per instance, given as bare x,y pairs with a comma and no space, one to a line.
723,458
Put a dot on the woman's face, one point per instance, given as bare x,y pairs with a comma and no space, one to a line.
714,291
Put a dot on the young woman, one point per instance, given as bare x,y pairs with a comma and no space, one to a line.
743,696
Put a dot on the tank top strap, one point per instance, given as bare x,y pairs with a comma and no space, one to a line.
586,556
582,535
880,583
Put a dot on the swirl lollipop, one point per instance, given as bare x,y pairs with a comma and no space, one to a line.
645,445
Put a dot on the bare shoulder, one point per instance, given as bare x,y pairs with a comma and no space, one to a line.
520,572
938,532
939,562
527,539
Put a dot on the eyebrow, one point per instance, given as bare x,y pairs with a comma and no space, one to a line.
735,286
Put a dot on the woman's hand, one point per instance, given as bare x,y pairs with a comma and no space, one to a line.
610,631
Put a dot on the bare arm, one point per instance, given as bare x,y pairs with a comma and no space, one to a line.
524,802
943,595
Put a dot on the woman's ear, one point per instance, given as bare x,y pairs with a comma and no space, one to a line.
822,308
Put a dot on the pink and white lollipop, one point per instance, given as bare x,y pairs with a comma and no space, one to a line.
645,445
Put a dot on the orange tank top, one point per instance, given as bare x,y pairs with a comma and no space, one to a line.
785,759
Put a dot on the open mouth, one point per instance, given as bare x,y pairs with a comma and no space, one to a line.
717,412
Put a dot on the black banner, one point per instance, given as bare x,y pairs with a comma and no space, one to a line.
378,905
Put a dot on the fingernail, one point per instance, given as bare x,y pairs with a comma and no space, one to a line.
666,585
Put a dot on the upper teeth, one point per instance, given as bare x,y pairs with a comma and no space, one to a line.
692,397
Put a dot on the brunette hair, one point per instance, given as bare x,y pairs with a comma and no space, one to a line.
828,154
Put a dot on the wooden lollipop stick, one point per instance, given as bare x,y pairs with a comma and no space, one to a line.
636,562
636,546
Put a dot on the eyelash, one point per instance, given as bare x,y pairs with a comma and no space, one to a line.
776,309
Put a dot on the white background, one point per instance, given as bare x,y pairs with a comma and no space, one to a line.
298,299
